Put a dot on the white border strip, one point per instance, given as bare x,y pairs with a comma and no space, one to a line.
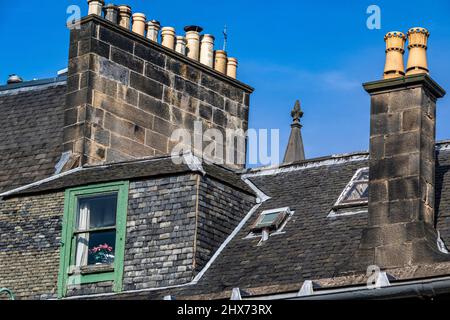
38,183
309,165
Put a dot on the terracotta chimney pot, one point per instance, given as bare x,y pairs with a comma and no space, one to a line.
111,13
417,60
193,41
95,7
220,62
125,16
139,23
168,37
207,50
153,28
232,67
395,48
181,45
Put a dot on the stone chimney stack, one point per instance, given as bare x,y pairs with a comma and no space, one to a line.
402,165
127,94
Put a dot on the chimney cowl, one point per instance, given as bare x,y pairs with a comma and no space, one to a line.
193,28
124,8
14,78
153,23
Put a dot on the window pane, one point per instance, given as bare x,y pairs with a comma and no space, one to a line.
95,248
96,212
269,218
358,192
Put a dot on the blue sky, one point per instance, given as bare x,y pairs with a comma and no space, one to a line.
317,51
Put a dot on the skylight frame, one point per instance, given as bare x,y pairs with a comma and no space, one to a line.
341,204
283,213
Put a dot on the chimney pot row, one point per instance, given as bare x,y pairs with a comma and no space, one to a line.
395,49
193,45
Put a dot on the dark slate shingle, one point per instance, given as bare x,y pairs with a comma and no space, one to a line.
30,134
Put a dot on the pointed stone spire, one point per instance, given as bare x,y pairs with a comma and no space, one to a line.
295,150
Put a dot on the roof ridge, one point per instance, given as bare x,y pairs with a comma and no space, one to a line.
32,85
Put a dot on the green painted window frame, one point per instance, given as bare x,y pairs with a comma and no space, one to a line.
68,228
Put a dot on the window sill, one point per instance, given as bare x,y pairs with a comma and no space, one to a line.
94,269
350,205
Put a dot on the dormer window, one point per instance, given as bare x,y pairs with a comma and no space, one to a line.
93,236
355,195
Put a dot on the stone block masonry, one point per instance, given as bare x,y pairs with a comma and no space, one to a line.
126,95
402,173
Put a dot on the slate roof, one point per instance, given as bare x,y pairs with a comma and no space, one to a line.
128,170
312,245
30,131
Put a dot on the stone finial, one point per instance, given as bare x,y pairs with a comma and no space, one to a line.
295,150
297,112
417,45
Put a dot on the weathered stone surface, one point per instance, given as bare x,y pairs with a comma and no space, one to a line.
401,183
138,82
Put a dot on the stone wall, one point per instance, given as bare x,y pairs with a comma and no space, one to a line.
126,95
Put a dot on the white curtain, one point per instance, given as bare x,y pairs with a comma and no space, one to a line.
83,238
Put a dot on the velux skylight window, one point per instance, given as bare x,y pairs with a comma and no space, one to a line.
271,219
270,222
355,194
